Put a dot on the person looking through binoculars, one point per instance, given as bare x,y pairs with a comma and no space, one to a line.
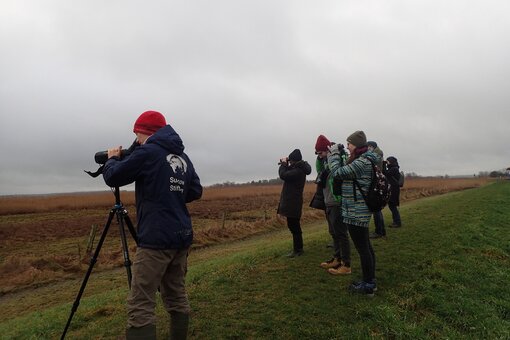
293,170
165,180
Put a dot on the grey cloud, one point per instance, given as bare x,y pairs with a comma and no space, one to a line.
246,84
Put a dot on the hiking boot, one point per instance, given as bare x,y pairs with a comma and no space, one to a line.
356,283
147,332
332,263
376,235
295,253
342,270
179,323
364,288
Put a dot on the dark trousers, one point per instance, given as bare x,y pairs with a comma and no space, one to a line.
379,223
395,214
338,231
295,228
361,240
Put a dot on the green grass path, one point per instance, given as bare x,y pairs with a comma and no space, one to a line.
444,274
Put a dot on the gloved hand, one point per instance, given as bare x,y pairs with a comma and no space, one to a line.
333,149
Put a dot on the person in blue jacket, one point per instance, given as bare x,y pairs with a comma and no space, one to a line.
165,180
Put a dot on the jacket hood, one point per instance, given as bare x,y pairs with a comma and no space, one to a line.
305,166
371,155
167,138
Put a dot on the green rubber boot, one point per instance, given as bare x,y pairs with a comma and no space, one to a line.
179,323
147,332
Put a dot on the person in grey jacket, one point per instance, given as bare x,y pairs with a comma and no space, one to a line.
293,171
340,263
354,209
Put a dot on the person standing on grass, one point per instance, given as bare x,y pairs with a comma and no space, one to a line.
340,263
293,171
380,231
355,212
392,173
165,180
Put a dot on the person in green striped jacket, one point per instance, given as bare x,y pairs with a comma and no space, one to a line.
354,209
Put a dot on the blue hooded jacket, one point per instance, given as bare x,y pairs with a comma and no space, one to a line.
165,180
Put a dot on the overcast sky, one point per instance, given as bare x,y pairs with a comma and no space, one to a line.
246,82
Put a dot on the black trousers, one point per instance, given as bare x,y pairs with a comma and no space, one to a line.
379,223
295,228
361,240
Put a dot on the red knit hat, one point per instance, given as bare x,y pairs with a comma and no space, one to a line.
149,122
322,144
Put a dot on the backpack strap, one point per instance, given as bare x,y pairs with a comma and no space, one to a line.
372,183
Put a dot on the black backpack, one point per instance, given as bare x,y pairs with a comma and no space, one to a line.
379,191
401,179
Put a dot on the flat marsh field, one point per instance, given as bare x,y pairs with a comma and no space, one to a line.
442,275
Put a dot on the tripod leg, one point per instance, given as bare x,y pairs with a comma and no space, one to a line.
125,248
131,228
93,260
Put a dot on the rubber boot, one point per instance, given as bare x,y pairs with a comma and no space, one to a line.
179,326
147,332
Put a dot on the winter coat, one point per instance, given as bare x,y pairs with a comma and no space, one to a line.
354,208
379,153
331,186
294,178
392,173
165,180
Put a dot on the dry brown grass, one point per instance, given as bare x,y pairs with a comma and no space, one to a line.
414,188
42,238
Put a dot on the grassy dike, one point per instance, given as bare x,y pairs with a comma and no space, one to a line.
444,274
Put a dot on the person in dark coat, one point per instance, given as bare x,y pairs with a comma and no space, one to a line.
392,173
380,231
165,180
293,171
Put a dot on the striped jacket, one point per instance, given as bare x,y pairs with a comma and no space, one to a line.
354,209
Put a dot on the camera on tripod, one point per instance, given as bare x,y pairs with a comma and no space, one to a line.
102,156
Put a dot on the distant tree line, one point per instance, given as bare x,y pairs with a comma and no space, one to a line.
259,182
494,173
274,181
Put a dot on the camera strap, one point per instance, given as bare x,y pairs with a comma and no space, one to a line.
97,173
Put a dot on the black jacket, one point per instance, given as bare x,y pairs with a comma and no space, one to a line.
392,173
294,178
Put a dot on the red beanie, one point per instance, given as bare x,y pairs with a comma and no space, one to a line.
322,144
149,122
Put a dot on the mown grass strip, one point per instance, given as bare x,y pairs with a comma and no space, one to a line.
444,274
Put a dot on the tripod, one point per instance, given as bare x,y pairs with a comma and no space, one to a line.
122,216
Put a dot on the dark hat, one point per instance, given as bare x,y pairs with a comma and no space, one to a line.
358,139
149,122
392,160
322,144
295,156
372,144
